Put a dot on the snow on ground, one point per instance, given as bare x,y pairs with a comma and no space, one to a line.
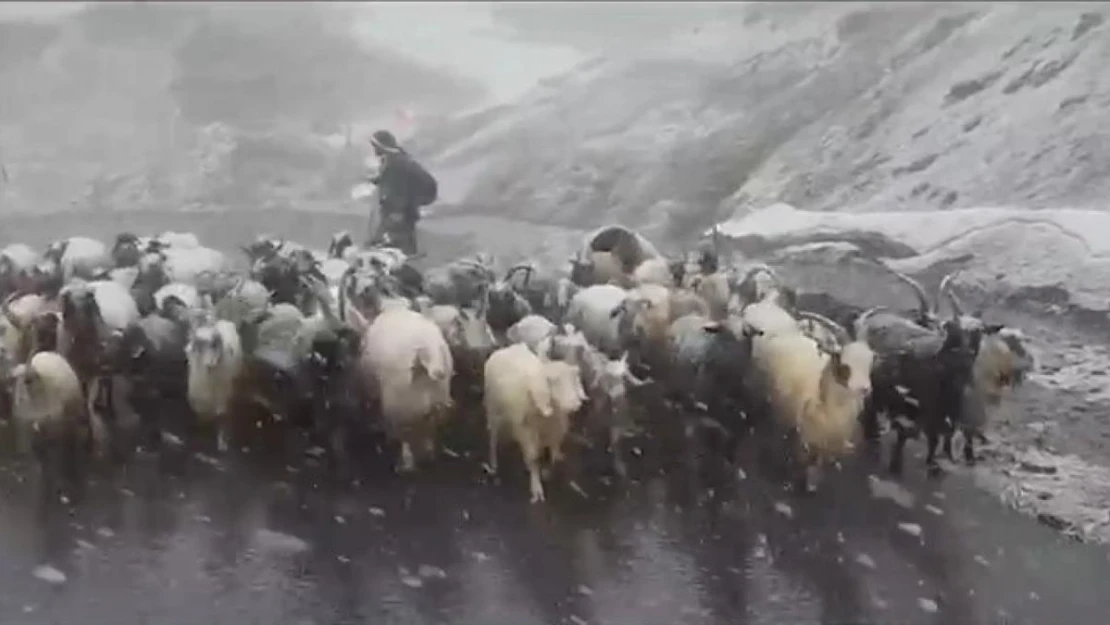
1024,248
1050,449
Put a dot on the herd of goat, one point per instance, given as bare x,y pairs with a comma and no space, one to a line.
98,340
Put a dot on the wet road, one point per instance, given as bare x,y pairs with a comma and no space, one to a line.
174,540
171,540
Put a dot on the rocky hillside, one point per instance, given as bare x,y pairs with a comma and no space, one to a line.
136,106
846,107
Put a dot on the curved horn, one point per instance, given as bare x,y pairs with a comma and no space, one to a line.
6,308
860,326
922,299
528,268
945,289
838,330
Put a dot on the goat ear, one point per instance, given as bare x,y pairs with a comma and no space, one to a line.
617,310
711,327
993,328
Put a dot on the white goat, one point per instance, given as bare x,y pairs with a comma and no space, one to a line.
47,403
817,395
216,366
411,365
534,399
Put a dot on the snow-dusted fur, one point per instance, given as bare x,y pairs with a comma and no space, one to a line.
179,240
591,310
653,271
533,399
47,402
215,357
14,324
998,367
817,395
185,293
411,368
686,302
607,268
467,334
714,290
188,265
84,258
770,318
531,331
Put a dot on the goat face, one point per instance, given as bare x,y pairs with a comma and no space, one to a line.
126,252
207,346
853,367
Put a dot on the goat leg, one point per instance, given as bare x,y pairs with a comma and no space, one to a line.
896,454
947,445
932,438
969,447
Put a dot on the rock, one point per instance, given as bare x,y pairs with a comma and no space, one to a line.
1037,467
1053,521
49,574
913,529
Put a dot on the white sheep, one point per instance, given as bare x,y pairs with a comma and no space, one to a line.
17,260
769,317
189,265
531,331
18,312
216,366
714,290
607,269
185,293
653,271
534,400
411,366
48,405
590,311
79,257
815,394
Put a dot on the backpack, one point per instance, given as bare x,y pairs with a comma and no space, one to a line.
424,187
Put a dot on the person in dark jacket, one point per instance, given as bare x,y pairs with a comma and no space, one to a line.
403,187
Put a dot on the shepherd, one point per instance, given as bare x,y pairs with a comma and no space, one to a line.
404,186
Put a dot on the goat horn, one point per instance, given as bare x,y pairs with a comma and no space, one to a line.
922,298
861,322
528,268
945,289
841,334
6,307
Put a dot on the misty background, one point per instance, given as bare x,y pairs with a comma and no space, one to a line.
669,116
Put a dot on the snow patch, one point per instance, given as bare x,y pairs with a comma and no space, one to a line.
1005,248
